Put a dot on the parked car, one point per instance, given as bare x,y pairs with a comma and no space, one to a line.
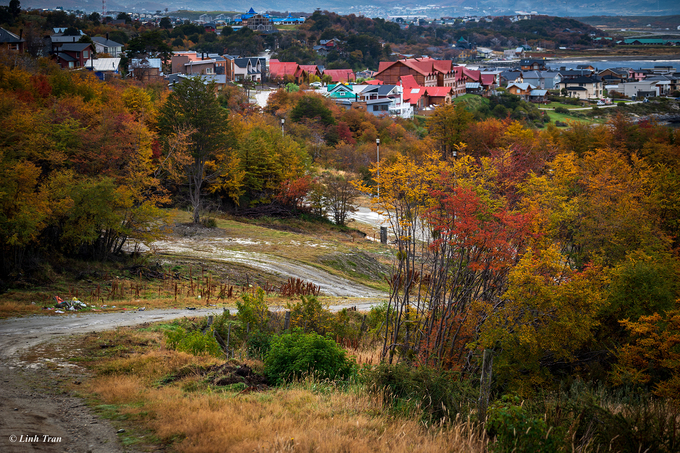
315,85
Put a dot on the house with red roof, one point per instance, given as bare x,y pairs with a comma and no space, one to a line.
340,75
438,95
423,71
285,71
310,70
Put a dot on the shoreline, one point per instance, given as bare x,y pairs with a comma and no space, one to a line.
672,57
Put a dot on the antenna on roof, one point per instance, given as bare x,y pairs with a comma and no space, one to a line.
103,9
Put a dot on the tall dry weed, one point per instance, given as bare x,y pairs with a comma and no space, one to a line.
295,419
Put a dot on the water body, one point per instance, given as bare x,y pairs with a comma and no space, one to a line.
606,64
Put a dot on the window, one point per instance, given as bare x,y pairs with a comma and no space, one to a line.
380,108
85,54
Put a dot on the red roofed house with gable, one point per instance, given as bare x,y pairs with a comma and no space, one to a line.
340,75
284,71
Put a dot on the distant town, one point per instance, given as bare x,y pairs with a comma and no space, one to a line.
399,84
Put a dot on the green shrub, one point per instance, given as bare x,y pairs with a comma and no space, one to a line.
295,354
253,311
517,430
601,420
435,394
193,342
259,344
209,222
562,110
310,315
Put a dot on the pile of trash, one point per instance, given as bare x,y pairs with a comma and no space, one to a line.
70,305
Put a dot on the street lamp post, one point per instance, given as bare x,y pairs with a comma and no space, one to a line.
283,120
377,144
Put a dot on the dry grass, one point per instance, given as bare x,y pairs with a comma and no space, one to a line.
294,419
9,308
193,416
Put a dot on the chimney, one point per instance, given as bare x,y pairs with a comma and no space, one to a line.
21,33
107,36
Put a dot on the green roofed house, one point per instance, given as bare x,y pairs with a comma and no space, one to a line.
651,42
341,91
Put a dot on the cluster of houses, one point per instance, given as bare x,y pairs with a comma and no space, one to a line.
399,88
534,79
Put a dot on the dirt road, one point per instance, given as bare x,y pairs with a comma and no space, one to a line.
217,249
36,413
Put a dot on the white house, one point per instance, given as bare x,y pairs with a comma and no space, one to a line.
105,45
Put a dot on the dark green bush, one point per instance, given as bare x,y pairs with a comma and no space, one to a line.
562,110
516,429
638,424
259,344
437,395
295,354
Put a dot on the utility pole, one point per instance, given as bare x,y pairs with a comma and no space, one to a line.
377,144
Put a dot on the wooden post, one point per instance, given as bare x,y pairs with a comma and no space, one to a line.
383,235
286,323
485,384
228,336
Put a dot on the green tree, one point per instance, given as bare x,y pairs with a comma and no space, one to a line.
165,23
124,16
14,8
193,106
312,108
95,18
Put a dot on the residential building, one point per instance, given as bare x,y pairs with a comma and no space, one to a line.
284,71
426,71
259,22
529,64
582,87
438,95
521,89
340,75
614,75
73,55
250,68
146,69
104,68
310,70
105,45
10,41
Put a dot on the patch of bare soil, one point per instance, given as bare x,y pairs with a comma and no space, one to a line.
228,373
40,413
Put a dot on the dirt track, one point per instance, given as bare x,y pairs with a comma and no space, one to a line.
33,401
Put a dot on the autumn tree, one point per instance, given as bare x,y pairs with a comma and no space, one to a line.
340,197
548,314
448,125
193,106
